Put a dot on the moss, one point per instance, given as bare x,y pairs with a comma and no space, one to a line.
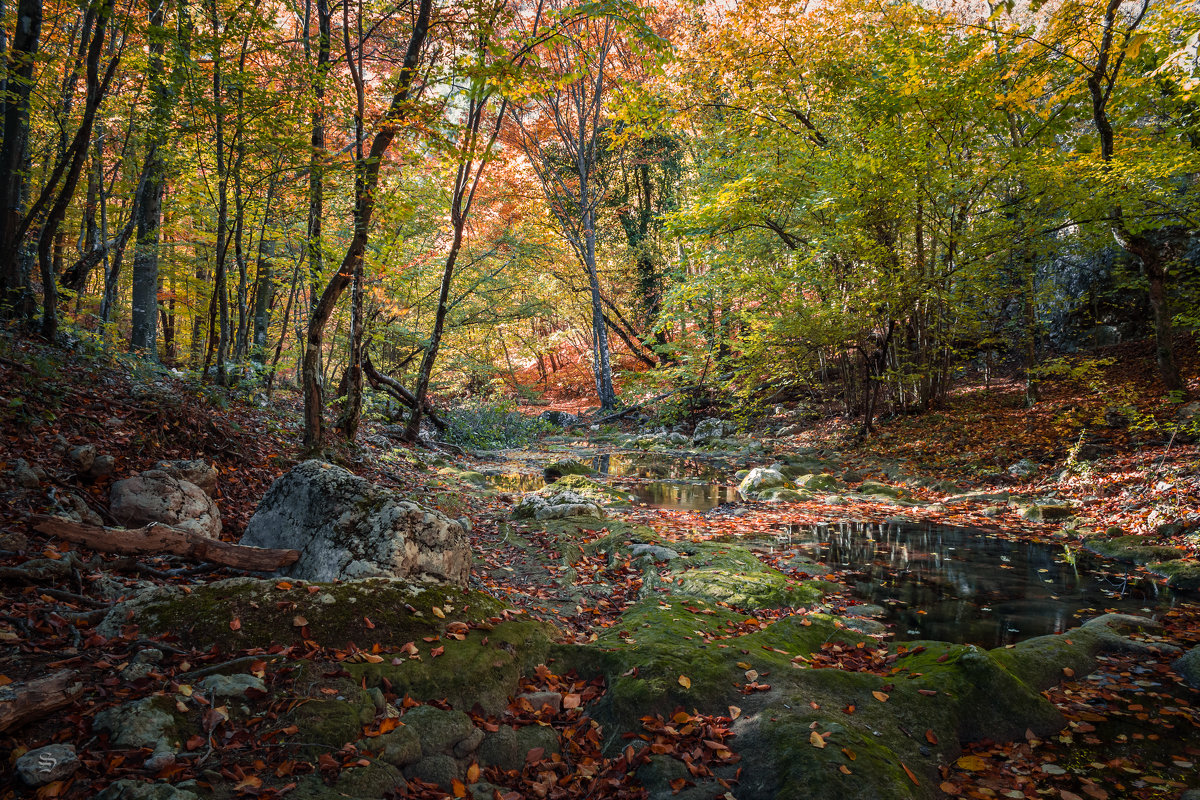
364,612
1039,662
593,490
328,724
884,490
1183,575
375,779
734,575
779,494
469,671
567,466
1048,513
1133,549
821,482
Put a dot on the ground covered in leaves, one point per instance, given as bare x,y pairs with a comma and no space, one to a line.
1132,731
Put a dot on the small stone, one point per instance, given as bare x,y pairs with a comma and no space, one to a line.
82,457
47,764
24,475
231,685
539,700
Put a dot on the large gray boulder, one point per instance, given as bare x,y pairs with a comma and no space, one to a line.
761,479
156,496
708,429
346,527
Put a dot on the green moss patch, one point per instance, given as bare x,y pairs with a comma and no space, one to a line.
1133,549
375,610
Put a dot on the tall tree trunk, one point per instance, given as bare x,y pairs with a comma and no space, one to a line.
265,290
14,178
364,207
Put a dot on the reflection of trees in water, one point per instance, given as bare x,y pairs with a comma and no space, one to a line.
654,466
952,575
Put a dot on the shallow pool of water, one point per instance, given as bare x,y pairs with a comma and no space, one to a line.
965,585
687,484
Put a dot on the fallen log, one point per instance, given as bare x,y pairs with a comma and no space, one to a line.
392,386
25,702
157,538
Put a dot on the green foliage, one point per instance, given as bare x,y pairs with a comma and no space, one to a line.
491,425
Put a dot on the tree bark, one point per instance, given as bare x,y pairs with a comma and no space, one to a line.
156,538
21,703
364,207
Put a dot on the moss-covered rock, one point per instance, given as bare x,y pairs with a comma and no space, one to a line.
779,494
329,724
1048,512
1181,575
375,779
759,480
373,610
467,672
1133,549
820,482
567,466
884,490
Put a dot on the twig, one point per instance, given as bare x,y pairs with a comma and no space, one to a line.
212,669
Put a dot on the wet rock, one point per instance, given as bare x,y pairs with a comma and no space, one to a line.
155,496
223,686
708,429
197,471
865,610
47,764
128,789
871,627
780,494
1132,549
567,466
346,527
142,664
1188,667
1181,574
759,479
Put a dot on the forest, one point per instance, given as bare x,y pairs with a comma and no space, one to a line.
599,399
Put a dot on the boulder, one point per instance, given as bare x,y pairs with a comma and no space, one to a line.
819,483
884,490
149,722
1188,667
155,496
560,419
197,471
129,789
708,429
565,503
346,527
567,466
759,480
1023,469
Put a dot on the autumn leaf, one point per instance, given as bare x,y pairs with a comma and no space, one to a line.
235,624
248,782
437,612
458,788
816,740
931,737
473,772
971,763
880,696
910,775
734,712
685,681
299,621
569,701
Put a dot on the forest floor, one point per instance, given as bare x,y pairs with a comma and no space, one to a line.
1133,726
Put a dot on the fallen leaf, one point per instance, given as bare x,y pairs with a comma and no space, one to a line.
685,681
299,621
437,612
880,696
734,712
910,775
931,737
816,740
971,763
458,788
235,624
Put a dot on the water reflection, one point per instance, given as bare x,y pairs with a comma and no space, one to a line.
962,585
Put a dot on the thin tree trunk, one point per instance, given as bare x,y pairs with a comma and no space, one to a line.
364,207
